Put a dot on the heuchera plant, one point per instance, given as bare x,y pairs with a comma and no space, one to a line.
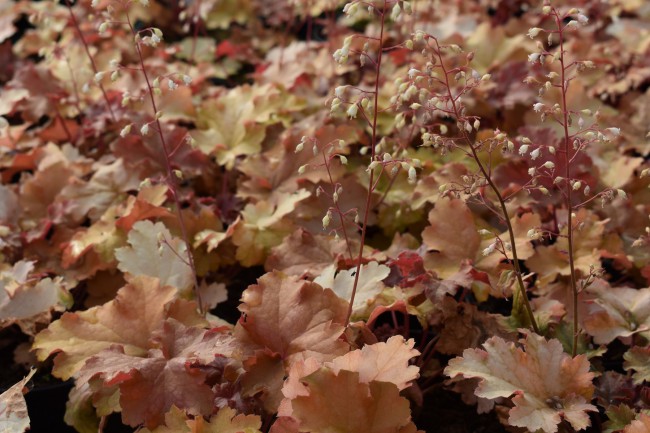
324,216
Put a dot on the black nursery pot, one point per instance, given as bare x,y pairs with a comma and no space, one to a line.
46,408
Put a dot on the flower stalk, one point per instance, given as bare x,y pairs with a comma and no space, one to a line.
172,176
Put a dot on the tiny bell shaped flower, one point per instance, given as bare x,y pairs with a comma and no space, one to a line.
412,175
533,32
340,57
126,130
350,9
395,13
326,220
145,129
352,111
538,107
490,249
534,57
523,149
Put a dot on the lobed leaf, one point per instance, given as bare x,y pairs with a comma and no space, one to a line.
548,385
129,320
293,317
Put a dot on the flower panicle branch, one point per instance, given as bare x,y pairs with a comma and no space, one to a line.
436,92
153,37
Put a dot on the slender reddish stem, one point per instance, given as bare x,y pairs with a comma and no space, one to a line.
371,180
196,22
171,177
63,125
336,205
90,57
497,193
568,187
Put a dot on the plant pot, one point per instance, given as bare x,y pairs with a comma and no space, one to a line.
46,407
